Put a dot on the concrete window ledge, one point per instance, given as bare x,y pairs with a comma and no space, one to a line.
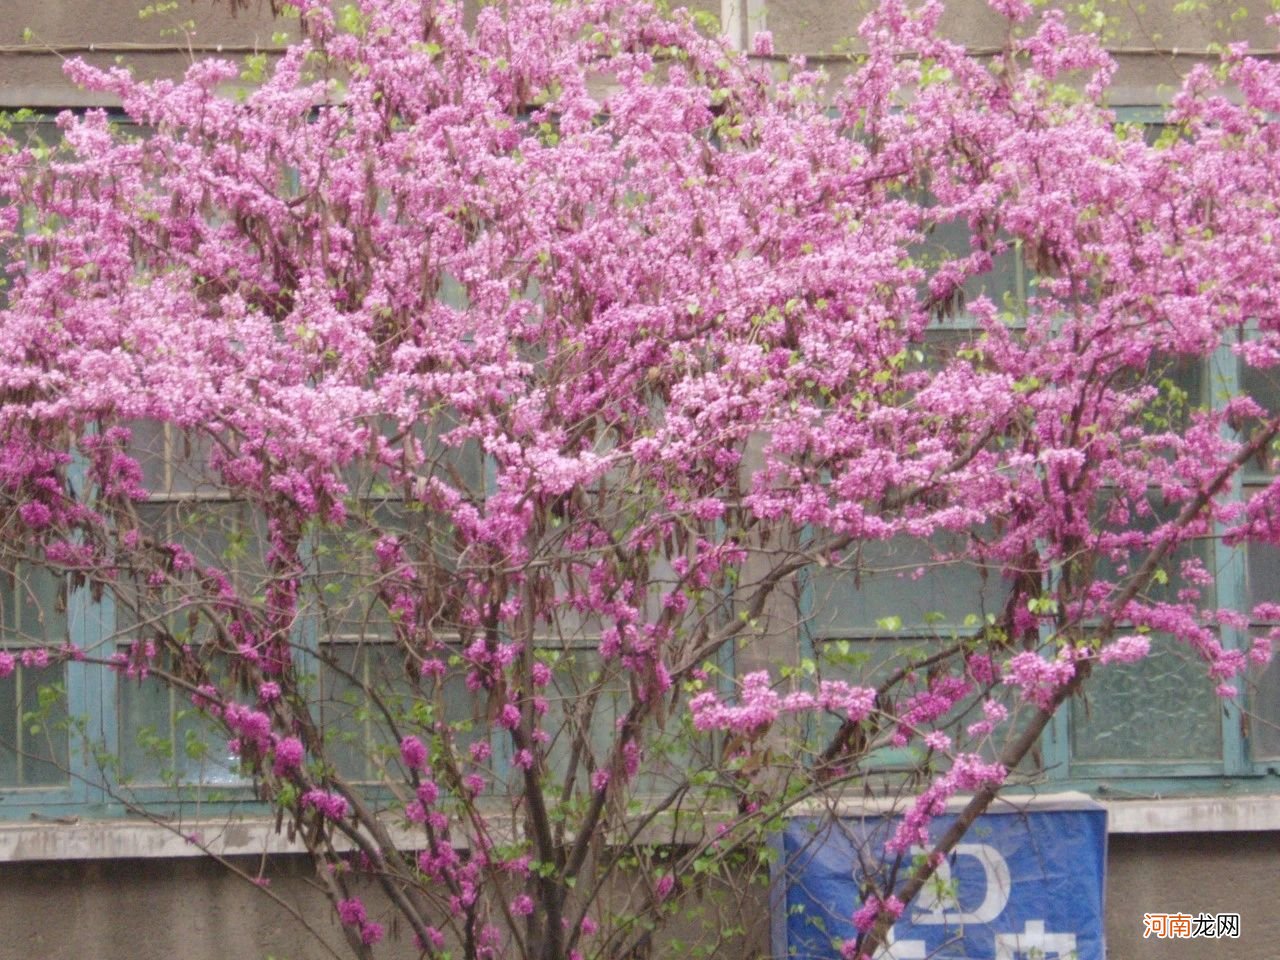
69,839
1194,814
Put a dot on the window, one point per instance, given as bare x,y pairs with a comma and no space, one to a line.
162,737
1156,720
897,605
33,720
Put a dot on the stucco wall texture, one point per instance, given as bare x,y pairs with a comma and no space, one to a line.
1153,46
195,910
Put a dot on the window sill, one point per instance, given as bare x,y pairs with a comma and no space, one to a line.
1193,814
69,838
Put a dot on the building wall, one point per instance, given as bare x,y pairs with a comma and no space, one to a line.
1193,873
193,908
157,909
162,908
1154,47
158,46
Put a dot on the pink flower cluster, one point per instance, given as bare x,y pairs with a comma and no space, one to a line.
761,705
968,772
352,913
1127,649
332,806
251,728
413,753
1039,679
289,756
865,917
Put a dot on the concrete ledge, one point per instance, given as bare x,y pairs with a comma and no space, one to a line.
67,839
1194,814
71,839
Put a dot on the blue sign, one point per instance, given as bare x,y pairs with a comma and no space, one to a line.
1022,885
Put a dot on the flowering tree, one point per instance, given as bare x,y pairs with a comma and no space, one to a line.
442,412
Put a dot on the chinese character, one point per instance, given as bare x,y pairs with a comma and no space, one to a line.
1180,925
1228,924
1034,942
1155,925
1204,925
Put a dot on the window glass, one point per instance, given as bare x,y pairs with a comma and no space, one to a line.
1114,564
1262,572
1162,708
904,583
1181,382
173,461
1004,284
162,737
33,728
359,738
33,710
1263,385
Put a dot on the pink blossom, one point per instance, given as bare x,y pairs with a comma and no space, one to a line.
435,939
413,753
865,917
937,740
760,705
289,756
427,793
1016,10
564,323
331,805
994,713
352,912
35,515
509,716
1126,649
1037,678
762,43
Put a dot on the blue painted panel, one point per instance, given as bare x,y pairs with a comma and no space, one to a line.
1021,885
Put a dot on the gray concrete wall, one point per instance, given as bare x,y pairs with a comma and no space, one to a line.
194,909
158,46
189,909
163,909
1193,873
1154,46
